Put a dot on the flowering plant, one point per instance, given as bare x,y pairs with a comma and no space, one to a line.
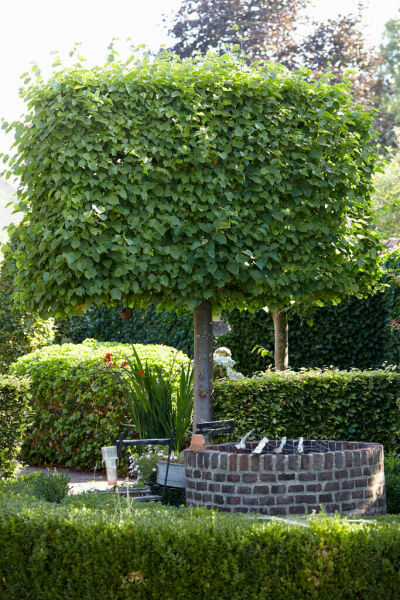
224,363
143,467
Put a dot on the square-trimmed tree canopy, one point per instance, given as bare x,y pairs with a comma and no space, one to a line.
172,182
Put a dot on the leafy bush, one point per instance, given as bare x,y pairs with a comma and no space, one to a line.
20,332
392,478
78,406
14,408
338,405
52,487
144,327
78,550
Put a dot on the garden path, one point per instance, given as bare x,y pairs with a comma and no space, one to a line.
81,481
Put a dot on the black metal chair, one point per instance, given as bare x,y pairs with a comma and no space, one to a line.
144,494
211,428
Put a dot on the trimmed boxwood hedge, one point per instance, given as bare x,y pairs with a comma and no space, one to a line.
331,404
78,406
79,552
14,408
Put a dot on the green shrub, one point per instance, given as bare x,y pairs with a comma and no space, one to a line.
392,478
20,332
52,487
14,408
78,551
338,405
78,406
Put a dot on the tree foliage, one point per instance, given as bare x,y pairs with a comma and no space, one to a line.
387,194
172,182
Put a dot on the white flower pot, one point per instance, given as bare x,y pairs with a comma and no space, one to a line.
176,474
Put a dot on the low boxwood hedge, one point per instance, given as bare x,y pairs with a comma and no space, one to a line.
14,408
78,551
341,405
78,406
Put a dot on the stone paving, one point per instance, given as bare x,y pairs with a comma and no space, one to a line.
81,481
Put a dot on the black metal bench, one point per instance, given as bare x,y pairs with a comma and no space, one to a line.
212,428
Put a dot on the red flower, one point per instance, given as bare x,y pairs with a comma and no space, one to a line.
113,364
141,372
123,365
108,356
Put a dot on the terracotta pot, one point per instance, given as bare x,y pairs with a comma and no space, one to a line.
197,442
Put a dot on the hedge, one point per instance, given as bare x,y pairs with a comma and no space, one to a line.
79,552
331,404
78,406
14,408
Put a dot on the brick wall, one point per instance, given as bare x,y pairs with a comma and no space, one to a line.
348,477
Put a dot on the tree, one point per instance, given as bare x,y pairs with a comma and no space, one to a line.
264,28
198,183
387,194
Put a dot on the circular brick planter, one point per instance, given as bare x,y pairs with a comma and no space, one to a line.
347,477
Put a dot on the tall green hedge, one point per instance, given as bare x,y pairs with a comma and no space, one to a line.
14,408
338,405
78,406
78,552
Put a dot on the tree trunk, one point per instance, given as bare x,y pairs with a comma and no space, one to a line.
203,382
281,354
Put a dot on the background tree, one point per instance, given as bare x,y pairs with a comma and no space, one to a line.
387,194
198,184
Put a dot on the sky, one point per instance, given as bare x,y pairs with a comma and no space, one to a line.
31,29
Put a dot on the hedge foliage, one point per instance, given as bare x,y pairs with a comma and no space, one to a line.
78,551
144,327
78,405
14,409
20,332
338,405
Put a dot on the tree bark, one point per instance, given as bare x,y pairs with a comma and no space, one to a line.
203,381
281,355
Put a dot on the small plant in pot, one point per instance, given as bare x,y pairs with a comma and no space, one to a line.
157,404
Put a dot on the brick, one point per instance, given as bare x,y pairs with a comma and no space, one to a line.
214,487
367,471
266,500
296,488
271,477
219,476
325,498
241,509
223,461
233,500
328,463
218,499
277,489
364,457
305,462
215,460
263,489
191,459
361,483
277,510
348,456
206,460
249,478
306,498
339,459
325,475
233,477
280,462
285,500
249,501
313,508
318,460
340,496
343,474
197,473
190,484
293,462
197,496
269,462
244,462
207,497
244,490
369,493
206,475
331,508
356,472
314,487
296,510
188,472
255,463
332,486
233,462
357,458
201,486
286,476
307,476
189,494
357,494
349,506
348,484
228,489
